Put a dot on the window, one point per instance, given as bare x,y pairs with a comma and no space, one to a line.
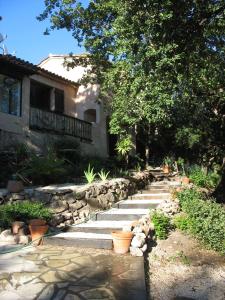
10,95
40,95
59,101
90,115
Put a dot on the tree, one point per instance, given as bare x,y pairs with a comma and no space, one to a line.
158,62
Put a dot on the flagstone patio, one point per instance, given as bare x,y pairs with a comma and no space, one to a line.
57,273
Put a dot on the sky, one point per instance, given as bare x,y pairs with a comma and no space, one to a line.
24,32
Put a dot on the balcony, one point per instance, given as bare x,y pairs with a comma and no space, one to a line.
59,124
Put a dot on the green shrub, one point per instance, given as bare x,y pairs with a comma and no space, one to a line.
206,218
202,179
124,145
161,224
45,169
12,159
68,149
22,211
181,222
181,166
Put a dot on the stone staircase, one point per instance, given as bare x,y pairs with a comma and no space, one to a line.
97,233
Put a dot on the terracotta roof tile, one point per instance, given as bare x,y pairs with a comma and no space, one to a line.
33,68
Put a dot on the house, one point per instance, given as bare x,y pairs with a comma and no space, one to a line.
42,103
88,107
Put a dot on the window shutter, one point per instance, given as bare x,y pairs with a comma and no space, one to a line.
59,101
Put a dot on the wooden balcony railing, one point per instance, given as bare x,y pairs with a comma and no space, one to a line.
60,124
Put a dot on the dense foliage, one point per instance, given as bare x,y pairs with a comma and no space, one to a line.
22,211
44,169
201,178
163,62
181,222
162,225
205,219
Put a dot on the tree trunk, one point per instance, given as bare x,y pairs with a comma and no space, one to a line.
219,192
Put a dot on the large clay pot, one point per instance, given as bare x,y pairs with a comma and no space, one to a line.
15,186
37,222
38,228
121,241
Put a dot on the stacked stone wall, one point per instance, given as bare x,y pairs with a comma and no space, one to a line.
72,204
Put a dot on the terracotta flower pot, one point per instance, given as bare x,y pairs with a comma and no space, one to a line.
121,241
17,226
37,222
38,228
166,169
185,180
15,186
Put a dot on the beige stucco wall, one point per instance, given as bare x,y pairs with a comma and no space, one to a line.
86,99
16,128
69,93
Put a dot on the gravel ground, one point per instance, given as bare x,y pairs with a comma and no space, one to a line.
180,268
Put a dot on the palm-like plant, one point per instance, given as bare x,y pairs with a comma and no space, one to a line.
89,174
103,175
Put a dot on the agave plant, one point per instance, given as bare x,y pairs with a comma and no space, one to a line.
103,175
89,174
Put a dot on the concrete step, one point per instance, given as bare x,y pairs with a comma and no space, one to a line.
117,214
97,234
154,169
81,240
142,203
99,226
150,196
157,187
167,185
154,191
156,172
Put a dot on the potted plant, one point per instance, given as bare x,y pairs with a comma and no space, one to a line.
121,241
15,185
38,228
167,164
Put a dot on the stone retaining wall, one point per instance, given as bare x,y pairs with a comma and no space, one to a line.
72,204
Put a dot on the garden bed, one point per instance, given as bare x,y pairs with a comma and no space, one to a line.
180,268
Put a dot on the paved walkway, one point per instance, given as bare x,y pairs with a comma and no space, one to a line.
56,273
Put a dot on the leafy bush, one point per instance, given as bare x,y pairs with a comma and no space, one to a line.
136,162
89,174
181,222
181,166
120,172
12,160
168,161
68,149
124,145
45,169
201,179
161,224
206,218
22,211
